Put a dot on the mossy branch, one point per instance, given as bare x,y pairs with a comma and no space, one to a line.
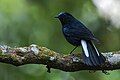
41,55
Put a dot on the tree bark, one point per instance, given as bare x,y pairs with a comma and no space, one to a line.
34,54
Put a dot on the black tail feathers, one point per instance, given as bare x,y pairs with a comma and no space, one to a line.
91,56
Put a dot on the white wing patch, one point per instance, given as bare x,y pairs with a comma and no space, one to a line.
84,45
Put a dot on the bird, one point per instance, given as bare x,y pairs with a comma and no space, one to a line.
77,34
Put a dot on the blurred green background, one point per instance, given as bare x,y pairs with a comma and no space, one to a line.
24,22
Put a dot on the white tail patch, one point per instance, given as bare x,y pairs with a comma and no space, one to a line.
84,45
96,49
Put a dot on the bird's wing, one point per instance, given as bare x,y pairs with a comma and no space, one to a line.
79,32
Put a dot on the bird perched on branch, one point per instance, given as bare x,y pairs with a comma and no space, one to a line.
77,34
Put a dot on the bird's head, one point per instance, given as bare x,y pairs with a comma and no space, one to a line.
65,17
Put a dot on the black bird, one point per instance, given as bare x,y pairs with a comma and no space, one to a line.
77,34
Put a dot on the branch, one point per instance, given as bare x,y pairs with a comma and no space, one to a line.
41,55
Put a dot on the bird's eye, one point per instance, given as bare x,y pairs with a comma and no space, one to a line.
65,15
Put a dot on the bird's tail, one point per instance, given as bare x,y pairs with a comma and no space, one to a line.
91,55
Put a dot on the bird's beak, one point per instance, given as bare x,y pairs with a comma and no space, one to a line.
56,17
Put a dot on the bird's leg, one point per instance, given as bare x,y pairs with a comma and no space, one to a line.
73,49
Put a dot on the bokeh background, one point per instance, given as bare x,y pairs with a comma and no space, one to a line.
25,22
